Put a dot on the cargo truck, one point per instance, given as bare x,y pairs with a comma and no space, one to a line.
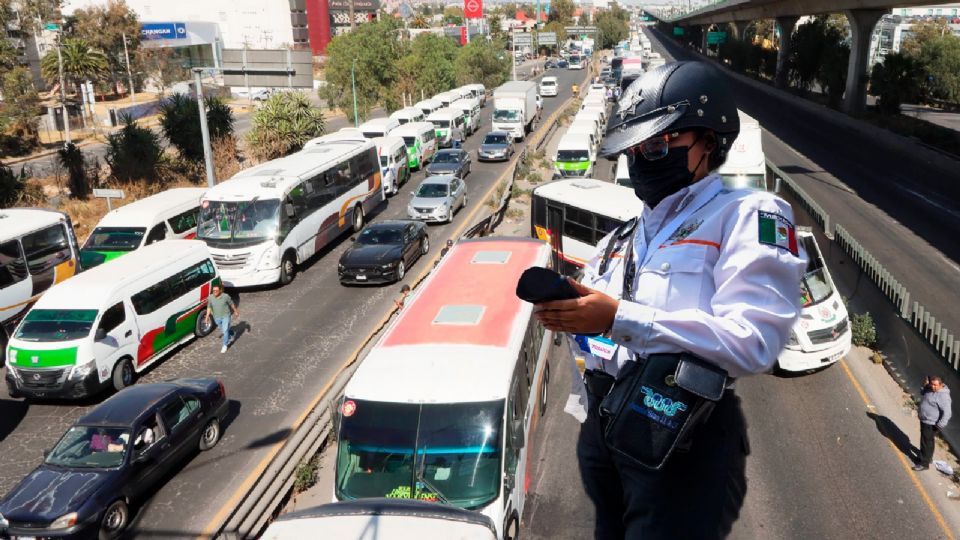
515,108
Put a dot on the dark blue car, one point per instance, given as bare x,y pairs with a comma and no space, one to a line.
111,456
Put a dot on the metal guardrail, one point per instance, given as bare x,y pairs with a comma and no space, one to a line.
941,339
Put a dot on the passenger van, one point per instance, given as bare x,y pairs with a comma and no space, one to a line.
408,114
598,109
548,86
168,214
588,128
104,326
378,127
445,120
575,155
446,406
393,162
446,98
471,113
591,117
428,106
479,91
746,165
420,138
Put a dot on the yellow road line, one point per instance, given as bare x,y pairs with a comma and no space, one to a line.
214,524
903,460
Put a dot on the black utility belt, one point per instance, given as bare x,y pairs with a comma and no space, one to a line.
653,405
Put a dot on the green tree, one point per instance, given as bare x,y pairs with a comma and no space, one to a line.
135,153
940,58
495,24
103,28
419,21
895,81
180,120
80,63
285,122
71,159
161,67
817,52
12,186
453,15
562,11
922,31
374,49
480,62
611,29
18,113
558,28
9,55
428,66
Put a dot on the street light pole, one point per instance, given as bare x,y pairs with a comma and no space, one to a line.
204,130
353,83
126,55
63,94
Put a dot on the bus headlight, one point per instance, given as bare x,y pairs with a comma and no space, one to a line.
269,258
81,371
12,355
793,341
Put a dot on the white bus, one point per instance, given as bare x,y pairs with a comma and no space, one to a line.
445,406
38,249
266,220
574,215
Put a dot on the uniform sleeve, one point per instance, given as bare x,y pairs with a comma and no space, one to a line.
753,308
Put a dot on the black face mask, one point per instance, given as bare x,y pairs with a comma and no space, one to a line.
654,181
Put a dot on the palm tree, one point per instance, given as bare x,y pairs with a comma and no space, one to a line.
419,21
283,124
80,63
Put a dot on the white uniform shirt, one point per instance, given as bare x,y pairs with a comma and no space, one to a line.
713,288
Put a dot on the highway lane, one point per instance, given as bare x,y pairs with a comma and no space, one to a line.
290,341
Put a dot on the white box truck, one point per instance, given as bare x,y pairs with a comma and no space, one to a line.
515,108
746,166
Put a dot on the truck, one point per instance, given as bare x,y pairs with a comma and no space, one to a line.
745,166
515,108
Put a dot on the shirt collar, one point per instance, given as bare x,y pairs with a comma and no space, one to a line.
682,198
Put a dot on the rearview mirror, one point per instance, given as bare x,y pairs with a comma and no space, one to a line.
100,334
290,210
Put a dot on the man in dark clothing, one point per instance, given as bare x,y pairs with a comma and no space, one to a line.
934,413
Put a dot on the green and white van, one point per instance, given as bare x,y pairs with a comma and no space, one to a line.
408,114
428,106
445,120
168,214
446,98
394,169
575,156
478,90
103,326
420,139
470,107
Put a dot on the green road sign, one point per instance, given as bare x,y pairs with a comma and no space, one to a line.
51,26
716,38
678,30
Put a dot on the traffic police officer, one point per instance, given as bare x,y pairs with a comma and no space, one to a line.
715,272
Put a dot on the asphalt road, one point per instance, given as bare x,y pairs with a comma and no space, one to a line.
290,341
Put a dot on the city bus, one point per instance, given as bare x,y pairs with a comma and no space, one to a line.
574,215
575,62
446,406
38,249
265,221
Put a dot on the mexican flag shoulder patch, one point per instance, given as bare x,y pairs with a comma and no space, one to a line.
776,230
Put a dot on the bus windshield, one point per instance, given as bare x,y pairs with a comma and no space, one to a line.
414,451
568,156
410,142
441,124
115,238
238,222
52,325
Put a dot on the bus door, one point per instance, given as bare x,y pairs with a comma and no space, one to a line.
555,226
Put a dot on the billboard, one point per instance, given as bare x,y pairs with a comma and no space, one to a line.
165,30
473,9
271,68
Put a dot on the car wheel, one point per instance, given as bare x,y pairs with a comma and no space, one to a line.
401,271
288,269
424,245
357,218
123,374
114,520
204,324
211,434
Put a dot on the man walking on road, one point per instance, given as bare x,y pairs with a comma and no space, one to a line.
934,415
456,137
220,306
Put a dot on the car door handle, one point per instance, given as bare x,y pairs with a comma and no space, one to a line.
128,334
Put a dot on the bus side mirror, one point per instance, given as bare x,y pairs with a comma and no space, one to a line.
100,335
290,210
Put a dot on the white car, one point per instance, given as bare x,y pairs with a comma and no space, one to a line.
548,86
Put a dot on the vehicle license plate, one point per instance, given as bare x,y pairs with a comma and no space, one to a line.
834,357
361,278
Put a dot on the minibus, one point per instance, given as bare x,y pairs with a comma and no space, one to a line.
444,120
446,98
479,91
446,406
378,127
38,248
598,109
428,106
168,214
588,128
408,114
471,113
575,156
265,221
393,162
420,139
591,117
102,327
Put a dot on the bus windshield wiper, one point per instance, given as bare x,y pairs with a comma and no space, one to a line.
423,480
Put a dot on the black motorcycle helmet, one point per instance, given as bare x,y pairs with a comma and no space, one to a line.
673,97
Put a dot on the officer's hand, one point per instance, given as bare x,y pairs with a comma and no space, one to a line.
592,313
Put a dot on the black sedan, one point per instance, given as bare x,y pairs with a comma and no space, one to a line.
111,457
454,161
383,251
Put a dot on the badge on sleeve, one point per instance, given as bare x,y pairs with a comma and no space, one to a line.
776,230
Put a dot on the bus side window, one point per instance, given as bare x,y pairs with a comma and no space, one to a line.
13,268
46,248
579,225
182,223
342,180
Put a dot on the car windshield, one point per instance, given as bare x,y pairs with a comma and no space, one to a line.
410,142
442,124
414,451
238,222
52,325
495,139
384,161
568,156
375,236
504,115
115,238
88,447
548,83
815,287
432,190
446,157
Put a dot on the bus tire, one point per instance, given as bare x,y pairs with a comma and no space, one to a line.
204,324
123,374
288,268
544,388
512,530
357,218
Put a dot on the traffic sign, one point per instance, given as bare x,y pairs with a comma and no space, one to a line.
547,38
51,26
108,194
522,38
678,30
581,29
473,9
716,38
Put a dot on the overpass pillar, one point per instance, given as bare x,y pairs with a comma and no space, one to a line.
703,38
862,22
785,24
739,29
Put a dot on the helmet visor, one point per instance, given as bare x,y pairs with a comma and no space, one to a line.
628,131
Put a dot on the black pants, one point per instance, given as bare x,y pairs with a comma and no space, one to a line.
696,495
926,444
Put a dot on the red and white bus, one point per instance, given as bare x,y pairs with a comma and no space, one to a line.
445,406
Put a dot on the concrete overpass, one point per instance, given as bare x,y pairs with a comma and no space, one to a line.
862,14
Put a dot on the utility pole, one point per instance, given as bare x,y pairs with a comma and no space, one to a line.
353,83
63,93
204,130
126,55
353,21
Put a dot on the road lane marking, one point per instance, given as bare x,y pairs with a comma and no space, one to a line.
903,460
218,520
